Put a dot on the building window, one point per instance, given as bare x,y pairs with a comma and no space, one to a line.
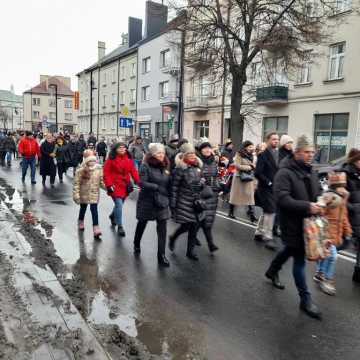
82,105
113,76
342,6
145,93
122,72
113,123
86,104
162,130
52,103
68,104
163,89
165,58
122,98
36,115
331,131
68,116
278,124
146,65
52,116
304,73
113,99
36,101
132,96
201,129
104,101
104,79
336,61
133,69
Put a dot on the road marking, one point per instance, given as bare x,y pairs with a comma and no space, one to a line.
347,258
224,216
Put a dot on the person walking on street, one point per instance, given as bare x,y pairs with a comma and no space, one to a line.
10,148
352,170
296,189
172,150
153,202
137,151
210,175
243,184
229,151
101,150
185,202
2,148
286,147
339,228
72,158
81,147
29,149
86,191
266,168
119,169
47,162
61,157
92,139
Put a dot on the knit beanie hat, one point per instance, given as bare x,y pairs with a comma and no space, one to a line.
286,139
87,153
89,159
302,142
337,179
155,148
354,155
203,143
174,138
246,143
187,148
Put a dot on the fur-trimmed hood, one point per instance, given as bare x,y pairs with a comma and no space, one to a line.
180,163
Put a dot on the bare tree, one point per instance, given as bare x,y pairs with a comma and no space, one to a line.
225,37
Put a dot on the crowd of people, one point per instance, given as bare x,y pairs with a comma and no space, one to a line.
183,182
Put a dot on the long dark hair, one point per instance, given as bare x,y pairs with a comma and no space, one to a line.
113,151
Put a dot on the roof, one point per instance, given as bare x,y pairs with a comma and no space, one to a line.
43,88
6,95
124,50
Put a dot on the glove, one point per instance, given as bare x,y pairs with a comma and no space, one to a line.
110,190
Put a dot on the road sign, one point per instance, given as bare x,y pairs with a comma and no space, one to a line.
125,111
125,122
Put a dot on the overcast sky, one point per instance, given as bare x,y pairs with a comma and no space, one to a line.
58,37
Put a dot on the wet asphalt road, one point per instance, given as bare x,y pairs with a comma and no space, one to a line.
219,308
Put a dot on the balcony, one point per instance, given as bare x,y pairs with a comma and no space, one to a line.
171,99
276,94
197,103
172,69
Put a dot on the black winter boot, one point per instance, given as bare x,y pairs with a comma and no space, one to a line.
163,261
274,277
231,212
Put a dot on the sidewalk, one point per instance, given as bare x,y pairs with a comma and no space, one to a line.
37,318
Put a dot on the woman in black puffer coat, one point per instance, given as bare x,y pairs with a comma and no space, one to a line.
352,169
187,202
210,174
153,202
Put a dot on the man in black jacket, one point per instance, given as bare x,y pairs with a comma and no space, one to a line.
296,188
266,169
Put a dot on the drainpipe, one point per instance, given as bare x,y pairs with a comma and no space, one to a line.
181,84
118,101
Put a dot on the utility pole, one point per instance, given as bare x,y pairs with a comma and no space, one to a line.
181,84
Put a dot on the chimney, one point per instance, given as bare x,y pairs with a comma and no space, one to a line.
101,50
134,31
155,18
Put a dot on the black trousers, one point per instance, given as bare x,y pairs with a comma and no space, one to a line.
161,233
61,170
191,229
52,179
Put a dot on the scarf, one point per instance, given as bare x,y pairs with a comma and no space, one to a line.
246,155
191,162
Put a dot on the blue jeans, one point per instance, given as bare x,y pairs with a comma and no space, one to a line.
25,163
137,164
94,213
327,266
8,156
298,269
117,212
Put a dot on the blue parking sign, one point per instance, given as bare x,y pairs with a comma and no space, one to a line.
125,122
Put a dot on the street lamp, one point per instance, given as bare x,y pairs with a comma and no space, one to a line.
56,105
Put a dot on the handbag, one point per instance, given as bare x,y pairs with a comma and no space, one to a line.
129,188
316,238
246,176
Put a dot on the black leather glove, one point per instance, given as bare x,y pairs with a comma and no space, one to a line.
110,190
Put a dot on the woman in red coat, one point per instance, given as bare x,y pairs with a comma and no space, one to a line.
118,171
